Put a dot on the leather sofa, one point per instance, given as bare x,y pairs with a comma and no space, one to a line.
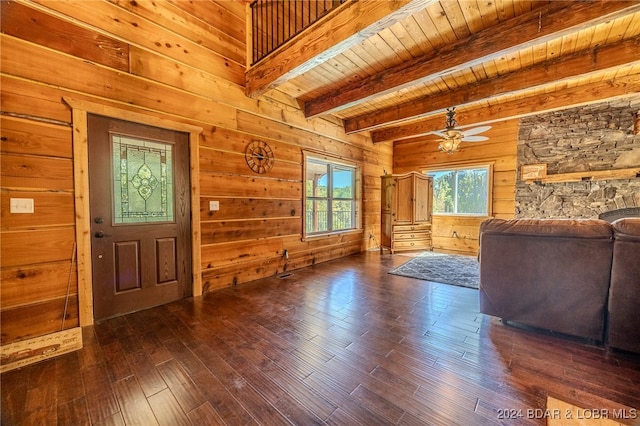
576,277
624,293
552,274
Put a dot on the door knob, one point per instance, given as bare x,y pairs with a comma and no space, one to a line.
100,234
98,220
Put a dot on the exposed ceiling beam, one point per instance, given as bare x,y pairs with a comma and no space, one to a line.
623,53
544,24
346,27
535,104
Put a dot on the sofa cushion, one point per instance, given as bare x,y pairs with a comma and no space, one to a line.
627,229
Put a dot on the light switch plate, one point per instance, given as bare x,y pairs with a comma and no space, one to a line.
214,205
21,205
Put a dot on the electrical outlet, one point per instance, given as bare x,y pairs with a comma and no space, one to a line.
214,206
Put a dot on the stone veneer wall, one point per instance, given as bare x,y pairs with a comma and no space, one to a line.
595,137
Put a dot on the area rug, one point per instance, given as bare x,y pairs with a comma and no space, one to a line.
454,269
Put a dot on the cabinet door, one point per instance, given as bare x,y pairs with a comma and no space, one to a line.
403,202
386,227
387,183
423,195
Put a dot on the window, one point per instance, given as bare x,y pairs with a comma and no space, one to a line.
462,191
331,196
142,180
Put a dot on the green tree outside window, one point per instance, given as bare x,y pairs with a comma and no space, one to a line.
461,191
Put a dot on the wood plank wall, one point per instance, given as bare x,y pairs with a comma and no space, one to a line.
500,150
184,61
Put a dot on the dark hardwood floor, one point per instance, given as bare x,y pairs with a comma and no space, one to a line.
342,343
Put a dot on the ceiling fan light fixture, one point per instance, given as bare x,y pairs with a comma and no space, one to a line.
452,137
452,134
449,145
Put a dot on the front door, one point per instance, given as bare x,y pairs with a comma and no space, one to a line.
140,215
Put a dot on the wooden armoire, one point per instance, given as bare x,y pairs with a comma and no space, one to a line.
406,212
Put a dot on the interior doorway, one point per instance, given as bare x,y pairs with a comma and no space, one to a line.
140,208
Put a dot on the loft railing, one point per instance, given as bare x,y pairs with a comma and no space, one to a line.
274,22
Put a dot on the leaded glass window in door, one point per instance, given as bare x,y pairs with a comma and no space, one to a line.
142,180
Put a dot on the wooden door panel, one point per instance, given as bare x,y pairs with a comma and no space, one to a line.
166,260
127,266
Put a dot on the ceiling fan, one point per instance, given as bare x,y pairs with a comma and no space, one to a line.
451,137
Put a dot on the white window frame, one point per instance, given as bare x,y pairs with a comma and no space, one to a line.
332,162
460,168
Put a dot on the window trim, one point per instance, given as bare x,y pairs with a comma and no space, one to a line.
467,166
357,196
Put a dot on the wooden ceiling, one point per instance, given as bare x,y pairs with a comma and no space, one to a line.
392,68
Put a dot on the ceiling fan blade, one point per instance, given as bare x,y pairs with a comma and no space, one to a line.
476,130
474,138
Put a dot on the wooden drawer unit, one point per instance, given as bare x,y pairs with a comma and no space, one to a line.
407,230
411,237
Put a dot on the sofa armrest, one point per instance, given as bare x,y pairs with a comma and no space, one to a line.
624,294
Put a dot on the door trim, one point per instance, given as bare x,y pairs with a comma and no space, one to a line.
79,111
